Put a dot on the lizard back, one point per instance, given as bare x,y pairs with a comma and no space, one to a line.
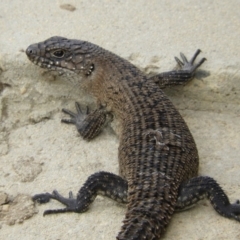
156,152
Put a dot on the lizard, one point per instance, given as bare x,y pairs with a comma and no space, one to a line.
158,157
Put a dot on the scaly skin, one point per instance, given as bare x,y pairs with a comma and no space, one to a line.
158,158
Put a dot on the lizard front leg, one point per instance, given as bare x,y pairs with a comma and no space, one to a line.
202,187
100,183
89,125
185,73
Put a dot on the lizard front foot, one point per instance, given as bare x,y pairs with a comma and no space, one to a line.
89,125
186,65
76,118
183,73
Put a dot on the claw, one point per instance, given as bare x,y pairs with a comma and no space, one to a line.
183,58
70,195
72,114
77,105
194,56
179,62
200,63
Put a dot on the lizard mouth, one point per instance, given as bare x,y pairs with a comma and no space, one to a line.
34,55
42,62
45,62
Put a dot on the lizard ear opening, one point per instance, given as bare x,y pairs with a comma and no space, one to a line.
58,53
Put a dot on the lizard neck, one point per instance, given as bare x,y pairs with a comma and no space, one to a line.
115,83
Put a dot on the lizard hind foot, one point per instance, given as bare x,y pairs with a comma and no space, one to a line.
70,203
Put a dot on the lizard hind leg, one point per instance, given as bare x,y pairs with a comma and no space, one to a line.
100,183
202,187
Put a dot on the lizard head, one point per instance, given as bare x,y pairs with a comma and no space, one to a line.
62,54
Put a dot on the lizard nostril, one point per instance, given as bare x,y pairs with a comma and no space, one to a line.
29,51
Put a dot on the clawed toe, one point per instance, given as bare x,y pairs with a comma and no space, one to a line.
70,195
53,211
79,110
194,56
70,113
42,198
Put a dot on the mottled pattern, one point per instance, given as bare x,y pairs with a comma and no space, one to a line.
158,158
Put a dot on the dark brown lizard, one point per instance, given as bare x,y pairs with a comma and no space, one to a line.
158,158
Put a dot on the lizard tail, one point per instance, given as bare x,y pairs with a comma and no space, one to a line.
146,222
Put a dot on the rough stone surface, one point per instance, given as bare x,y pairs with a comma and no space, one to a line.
17,210
38,153
27,169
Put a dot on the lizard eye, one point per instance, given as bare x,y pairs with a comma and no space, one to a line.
58,53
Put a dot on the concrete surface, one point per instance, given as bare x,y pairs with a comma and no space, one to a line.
38,153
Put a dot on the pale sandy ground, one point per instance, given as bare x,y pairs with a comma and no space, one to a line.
38,153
